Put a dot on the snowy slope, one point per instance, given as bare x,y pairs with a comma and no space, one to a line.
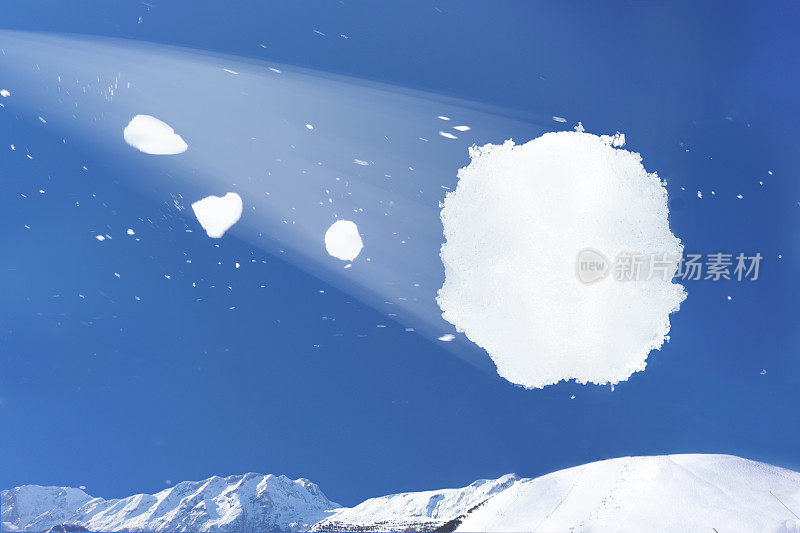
251,502
677,493
414,511
665,493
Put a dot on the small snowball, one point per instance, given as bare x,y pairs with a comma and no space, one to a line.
343,241
217,214
152,136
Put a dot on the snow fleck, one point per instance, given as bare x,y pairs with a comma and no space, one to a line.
442,117
131,232
699,194
462,128
4,93
447,135
617,140
309,126
447,337
100,238
343,241
739,196
361,162
559,119
217,214
152,136
229,71
522,213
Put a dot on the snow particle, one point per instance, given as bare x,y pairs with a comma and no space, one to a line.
343,241
152,136
447,337
217,214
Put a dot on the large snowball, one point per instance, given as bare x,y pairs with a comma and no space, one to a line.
514,227
217,214
152,136
342,240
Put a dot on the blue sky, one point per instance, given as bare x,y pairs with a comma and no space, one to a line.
120,395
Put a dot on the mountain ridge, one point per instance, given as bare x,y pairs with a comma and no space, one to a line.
691,492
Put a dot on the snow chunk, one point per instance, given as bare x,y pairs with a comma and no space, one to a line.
217,214
342,240
514,227
447,337
152,136
4,93
447,135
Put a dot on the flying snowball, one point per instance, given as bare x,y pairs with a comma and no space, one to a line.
217,214
152,136
514,228
342,240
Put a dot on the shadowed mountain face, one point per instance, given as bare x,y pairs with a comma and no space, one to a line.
677,492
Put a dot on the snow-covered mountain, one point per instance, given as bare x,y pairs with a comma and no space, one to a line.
414,511
671,493
251,502
662,493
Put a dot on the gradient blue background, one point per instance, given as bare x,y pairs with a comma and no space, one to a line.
120,396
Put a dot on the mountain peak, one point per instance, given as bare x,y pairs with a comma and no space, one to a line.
246,502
